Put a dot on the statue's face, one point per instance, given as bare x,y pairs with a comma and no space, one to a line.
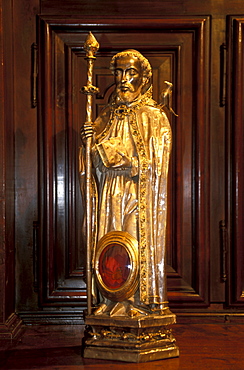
128,78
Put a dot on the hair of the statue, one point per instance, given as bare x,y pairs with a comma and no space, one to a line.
146,67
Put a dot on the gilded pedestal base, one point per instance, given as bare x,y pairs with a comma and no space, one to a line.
139,339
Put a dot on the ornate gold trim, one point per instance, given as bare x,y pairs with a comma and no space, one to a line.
145,338
119,112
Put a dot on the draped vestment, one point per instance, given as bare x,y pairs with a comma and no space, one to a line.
134,199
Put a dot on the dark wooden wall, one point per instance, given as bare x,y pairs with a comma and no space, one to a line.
25,266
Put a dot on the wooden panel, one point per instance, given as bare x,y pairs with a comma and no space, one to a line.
10,323
60,200
235,159
146,8
7,273
26,153
178,51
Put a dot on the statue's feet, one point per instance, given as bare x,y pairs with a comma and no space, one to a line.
158,310
134,311
129,308
100,309
118,309
111,309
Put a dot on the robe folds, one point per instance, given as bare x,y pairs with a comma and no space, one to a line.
134,198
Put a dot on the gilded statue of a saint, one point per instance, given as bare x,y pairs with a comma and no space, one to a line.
131,145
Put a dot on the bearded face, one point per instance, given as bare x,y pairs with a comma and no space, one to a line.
129,79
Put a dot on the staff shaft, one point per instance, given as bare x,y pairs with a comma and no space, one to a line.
91,46
88,224
90,63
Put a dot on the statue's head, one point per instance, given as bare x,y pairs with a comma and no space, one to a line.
132,73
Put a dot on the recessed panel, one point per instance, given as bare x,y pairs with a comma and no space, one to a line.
178,52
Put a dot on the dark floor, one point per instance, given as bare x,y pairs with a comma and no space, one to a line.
58,347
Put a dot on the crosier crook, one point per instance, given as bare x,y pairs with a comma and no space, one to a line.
90,46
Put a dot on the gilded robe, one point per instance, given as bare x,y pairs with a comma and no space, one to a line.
134,199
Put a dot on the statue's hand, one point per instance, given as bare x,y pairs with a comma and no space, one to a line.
86,131
125,161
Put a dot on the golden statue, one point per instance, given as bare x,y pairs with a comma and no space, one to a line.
130,144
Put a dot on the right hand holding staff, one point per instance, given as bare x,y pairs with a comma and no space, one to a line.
86,131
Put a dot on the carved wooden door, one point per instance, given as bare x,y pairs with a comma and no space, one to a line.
235,159
178,49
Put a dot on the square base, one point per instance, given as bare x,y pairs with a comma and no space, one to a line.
139,339
129,355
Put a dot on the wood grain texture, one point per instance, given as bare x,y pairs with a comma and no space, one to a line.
235,158
7,237
141,7
211,346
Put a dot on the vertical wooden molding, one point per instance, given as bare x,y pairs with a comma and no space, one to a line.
34,71
10,324
222,82
235,159
223,250
36,255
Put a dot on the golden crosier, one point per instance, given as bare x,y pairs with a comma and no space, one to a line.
91,46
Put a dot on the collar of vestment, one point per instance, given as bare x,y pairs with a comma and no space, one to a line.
122,110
